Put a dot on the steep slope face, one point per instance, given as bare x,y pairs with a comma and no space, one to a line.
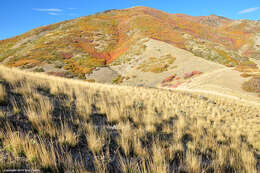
155,63
150,65
79,46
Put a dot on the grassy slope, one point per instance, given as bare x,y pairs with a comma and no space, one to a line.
59,124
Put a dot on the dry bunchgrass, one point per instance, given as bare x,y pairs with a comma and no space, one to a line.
14,142
2,93
67,136
36,151
39,112
95,141
63,124
15,108
125,140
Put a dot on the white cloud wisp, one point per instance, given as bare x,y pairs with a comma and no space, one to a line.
249,10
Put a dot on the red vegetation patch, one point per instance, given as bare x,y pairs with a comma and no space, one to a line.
92,51
176,85
187,75
190,74
67,55
229,65
169,79
196,72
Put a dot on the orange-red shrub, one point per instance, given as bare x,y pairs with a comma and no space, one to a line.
169,79
67,55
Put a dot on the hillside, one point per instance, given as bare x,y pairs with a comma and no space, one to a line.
144,46
57,125
84,43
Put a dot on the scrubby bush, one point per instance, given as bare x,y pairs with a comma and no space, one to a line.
253,85
38,70
245,75
119,79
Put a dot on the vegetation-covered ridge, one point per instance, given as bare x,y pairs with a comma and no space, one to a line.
58,124
80,45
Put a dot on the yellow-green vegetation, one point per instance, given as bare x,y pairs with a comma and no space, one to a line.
227,58
119,79
70,125
247,66
91,80
157,65
121,60
83,65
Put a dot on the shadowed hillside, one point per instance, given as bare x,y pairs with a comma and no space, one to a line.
56,125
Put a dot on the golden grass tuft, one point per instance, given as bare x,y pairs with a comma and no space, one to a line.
67,136
3,93
125,141
95,141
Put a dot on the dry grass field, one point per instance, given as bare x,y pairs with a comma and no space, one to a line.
57,125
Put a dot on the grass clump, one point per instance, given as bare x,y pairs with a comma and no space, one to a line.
3,94
67,136
95,140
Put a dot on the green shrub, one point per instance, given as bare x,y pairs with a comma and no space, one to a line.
38,70
118,80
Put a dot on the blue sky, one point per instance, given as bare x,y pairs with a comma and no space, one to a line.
19,16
